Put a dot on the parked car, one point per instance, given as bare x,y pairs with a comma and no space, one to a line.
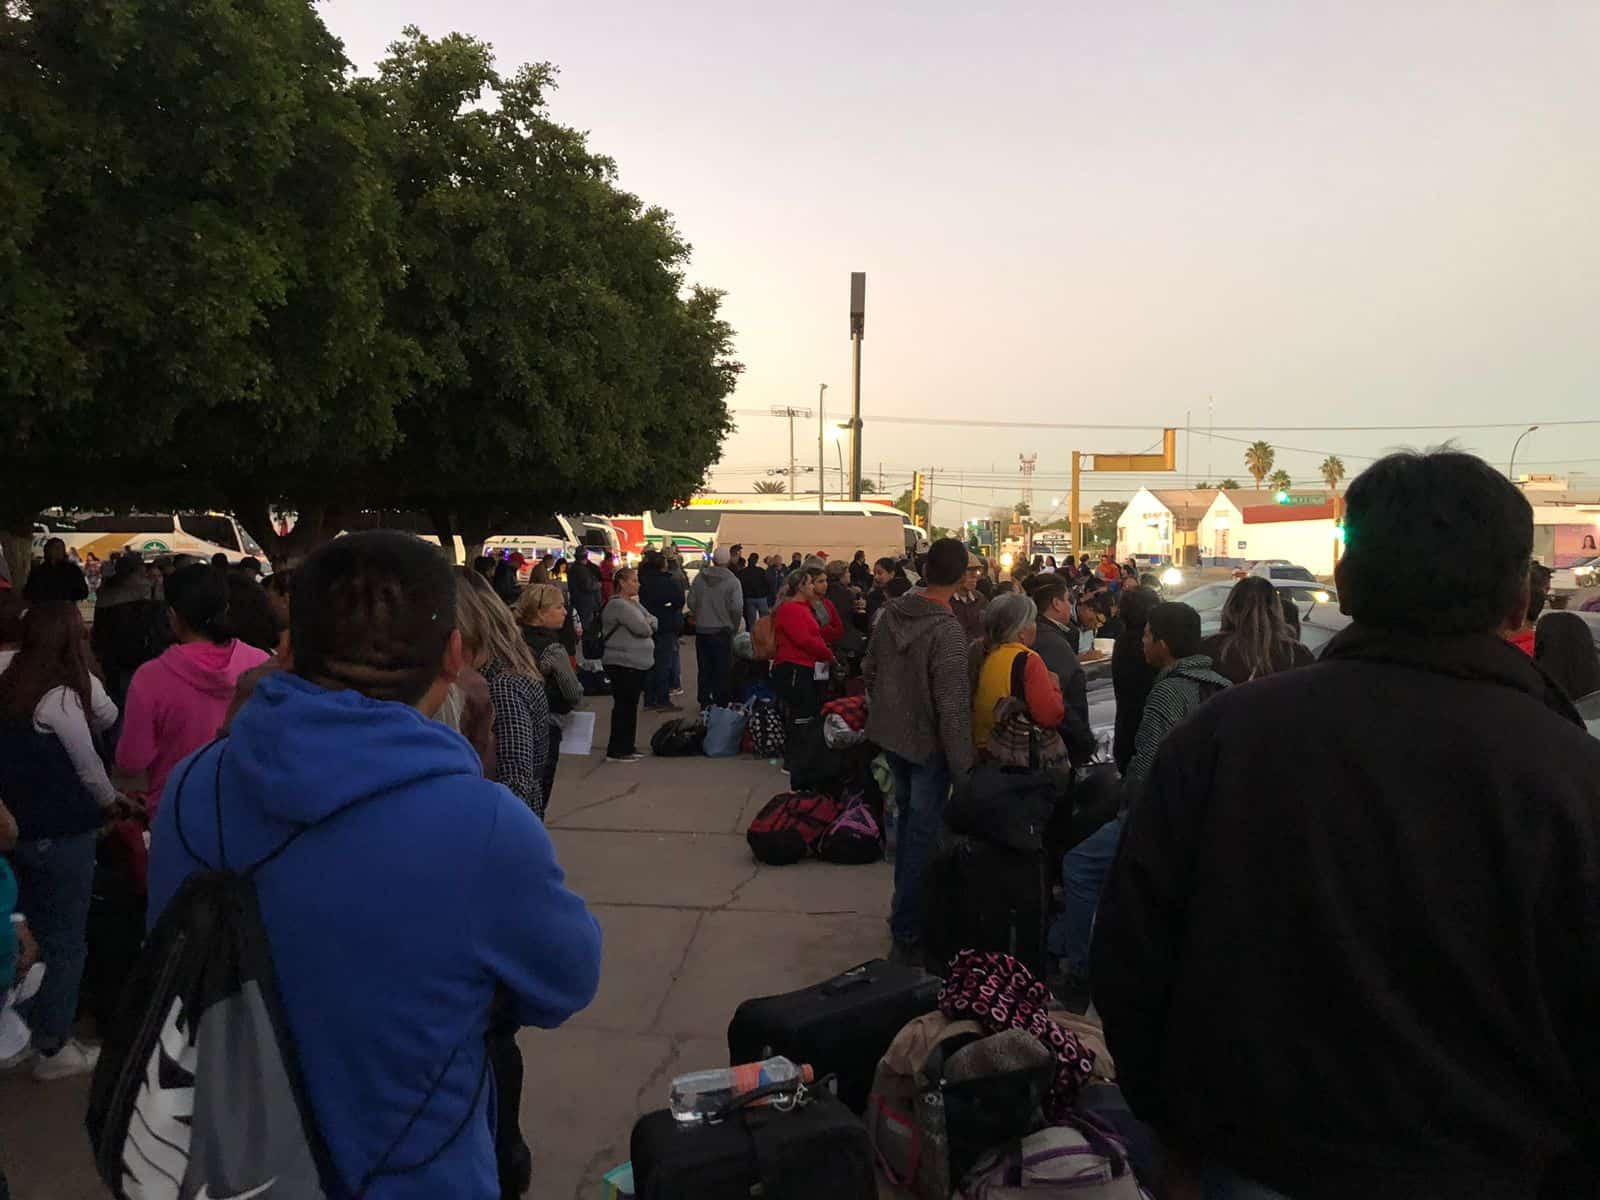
1282,570
1208,598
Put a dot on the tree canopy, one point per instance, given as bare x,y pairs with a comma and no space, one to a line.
1258,460
233,274
1103,521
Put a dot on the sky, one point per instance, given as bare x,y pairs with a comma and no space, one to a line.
1255,216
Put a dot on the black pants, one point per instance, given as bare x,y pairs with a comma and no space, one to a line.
627,683
801,701
513,1160
713,654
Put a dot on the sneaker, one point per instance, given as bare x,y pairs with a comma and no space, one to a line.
677,691
625,758
74,1058
1070,991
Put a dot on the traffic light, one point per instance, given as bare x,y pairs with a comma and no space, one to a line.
916,492
1282,497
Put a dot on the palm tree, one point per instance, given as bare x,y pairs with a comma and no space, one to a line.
1229,485
771,487
1258,459
1280,480
1332,471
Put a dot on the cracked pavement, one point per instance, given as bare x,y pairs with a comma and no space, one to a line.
692,925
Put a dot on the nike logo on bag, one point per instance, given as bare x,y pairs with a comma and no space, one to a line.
205,1192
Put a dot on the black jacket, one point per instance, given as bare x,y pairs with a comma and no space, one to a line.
662,597
1227,660
49,583
1052,645
1350,945
755,583
1131,681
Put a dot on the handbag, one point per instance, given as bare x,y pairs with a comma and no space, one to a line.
1017,740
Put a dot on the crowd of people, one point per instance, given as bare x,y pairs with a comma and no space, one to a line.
1334,921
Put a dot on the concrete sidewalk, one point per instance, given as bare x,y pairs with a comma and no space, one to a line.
693,925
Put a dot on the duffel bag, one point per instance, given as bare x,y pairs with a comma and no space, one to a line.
678,737
1077,1159
789,826
854,839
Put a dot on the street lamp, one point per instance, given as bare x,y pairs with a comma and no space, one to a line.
1512,469
836,435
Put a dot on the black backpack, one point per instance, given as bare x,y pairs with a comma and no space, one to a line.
198,1088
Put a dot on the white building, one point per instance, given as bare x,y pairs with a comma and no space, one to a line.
1165,523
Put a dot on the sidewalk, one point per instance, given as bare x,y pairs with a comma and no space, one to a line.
693,925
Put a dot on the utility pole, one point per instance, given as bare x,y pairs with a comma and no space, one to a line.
822,464
928,498
791,413
858,331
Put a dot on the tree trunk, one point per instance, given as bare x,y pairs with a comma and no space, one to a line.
314,525
16,542
444,527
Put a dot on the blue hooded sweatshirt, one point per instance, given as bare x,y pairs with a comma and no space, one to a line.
424,892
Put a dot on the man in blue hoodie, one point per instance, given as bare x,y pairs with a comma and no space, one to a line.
423,898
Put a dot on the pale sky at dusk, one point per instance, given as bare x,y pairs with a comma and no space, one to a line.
1351,214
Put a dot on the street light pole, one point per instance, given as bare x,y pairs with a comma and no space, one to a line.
858,330
1511,471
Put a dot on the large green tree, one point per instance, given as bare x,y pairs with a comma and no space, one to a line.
1103,522
192,257
564,363
1258,459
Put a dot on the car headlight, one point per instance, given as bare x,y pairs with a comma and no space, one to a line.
1171,577
1321,597
1582,571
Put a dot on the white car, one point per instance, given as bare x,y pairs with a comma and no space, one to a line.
1277,569
1580,575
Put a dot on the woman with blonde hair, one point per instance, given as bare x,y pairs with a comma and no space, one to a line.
522,725
541,611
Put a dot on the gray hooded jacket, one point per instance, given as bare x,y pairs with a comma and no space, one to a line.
716,600
917,682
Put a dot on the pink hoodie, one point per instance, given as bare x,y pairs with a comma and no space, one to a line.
176,704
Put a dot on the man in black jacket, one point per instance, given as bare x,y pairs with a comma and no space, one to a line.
1054,643
1351,942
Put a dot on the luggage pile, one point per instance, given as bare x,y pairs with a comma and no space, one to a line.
967,1089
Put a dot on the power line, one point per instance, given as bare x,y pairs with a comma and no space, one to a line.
969,423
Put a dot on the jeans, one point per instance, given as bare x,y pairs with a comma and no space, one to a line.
754,610
920,792
713,653
658,684
1219,1183
626,684
1083,878
55,877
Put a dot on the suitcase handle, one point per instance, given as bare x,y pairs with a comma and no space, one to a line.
856,976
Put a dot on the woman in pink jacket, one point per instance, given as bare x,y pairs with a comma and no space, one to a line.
177,702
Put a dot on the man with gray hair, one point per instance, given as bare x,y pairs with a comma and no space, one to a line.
717,601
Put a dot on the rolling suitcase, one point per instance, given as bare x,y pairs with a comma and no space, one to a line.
841,1027
816,1150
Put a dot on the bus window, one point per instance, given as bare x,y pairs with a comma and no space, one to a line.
208,528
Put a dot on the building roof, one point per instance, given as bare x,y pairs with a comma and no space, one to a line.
1277,514
1187,505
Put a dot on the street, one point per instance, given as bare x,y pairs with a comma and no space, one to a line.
692,923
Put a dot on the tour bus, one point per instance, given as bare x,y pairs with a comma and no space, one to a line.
151,534
693,529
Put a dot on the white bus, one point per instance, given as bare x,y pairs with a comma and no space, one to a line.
151,534
692,530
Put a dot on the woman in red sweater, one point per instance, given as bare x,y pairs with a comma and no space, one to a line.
802,644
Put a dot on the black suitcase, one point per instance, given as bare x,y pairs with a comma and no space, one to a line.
981,897
840,1027
816,1151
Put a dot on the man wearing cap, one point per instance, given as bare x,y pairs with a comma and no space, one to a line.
717,601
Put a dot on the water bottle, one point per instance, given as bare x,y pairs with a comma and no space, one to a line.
705,1095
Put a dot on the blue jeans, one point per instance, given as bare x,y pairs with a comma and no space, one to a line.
658,683
754,610
920,792
713,655
55,877
1219,1183
1083,877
